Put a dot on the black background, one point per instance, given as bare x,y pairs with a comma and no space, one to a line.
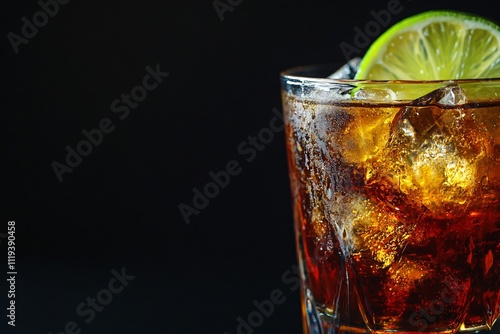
119,207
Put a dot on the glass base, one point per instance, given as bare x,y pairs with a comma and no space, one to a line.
317,321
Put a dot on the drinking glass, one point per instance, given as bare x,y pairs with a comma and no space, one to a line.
395,188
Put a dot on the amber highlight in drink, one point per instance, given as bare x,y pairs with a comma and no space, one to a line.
396,202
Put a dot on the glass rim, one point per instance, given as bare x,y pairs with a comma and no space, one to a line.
290,73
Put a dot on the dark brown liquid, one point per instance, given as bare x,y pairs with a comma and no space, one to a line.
399,215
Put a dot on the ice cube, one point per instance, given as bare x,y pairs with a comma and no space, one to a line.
377,94
453,96
378,232
348,71
404,277
437,175
366,134
435,156
408,270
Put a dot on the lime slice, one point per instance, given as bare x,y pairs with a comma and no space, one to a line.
435,45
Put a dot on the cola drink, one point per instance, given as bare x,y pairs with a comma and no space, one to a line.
396,202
